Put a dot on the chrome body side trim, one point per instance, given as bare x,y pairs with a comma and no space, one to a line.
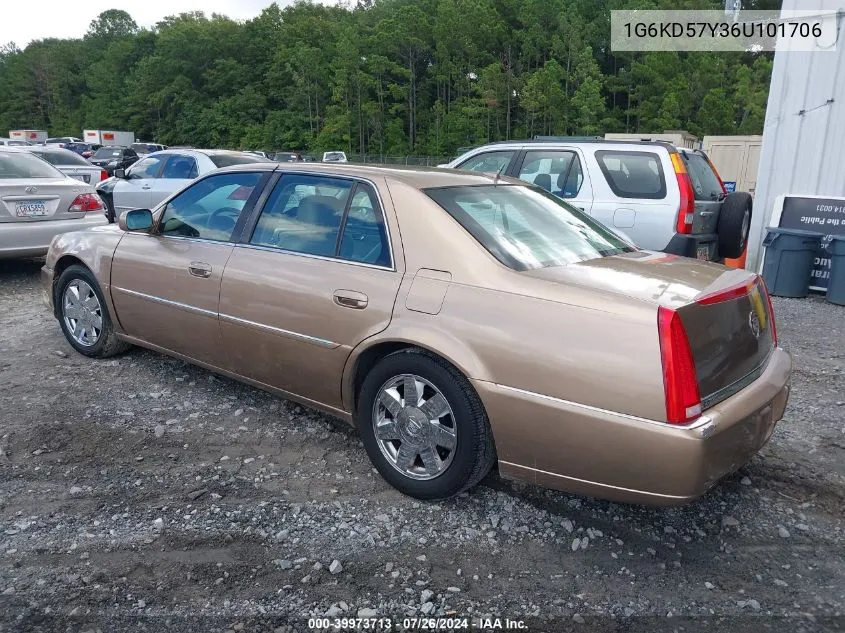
175,304
279,331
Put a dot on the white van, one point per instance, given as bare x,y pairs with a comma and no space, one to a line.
662,197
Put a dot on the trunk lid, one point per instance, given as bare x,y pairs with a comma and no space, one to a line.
724,310
38,200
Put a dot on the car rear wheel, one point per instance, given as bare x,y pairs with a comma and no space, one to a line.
424,426
84,316
734,224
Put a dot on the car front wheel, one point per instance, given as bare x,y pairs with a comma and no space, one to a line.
424,426
84,316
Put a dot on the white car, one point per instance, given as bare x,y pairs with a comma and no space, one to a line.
158,175
11,142
69,163
334,157
61,141
661,197
38,202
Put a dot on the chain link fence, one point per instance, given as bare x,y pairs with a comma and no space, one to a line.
420,161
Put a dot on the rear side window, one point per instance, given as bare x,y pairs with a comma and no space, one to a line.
558,172
227,160
705,185
180,167
633,174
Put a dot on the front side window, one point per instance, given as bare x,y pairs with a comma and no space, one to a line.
525,228
558,172
494,162
633,174
304,215
24,165
209,209
146,168
180,167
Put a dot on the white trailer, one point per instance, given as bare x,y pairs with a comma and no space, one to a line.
31,136
108,137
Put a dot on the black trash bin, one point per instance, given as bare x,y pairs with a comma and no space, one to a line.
836,282
790,255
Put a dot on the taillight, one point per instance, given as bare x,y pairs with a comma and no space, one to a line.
103,174
680,383
727,294
686,211
86,203
765,291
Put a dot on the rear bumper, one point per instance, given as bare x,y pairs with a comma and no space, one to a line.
32,239
687,245
590,451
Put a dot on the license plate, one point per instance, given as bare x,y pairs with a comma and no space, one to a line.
31,209
82,177
703,252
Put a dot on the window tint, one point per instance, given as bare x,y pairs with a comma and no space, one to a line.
146,168
488,161
63,157
178,166
525,228
705,185
25,165
633,174
364,236
303,215
108,152
210,208
558,172
227,160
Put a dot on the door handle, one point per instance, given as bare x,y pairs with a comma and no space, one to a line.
199,269
350,299
146,187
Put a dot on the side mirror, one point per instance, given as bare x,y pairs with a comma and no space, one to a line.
140,220
120,173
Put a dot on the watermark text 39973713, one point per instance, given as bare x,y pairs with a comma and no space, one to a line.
804,30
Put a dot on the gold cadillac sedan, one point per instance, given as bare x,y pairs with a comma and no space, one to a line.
459,320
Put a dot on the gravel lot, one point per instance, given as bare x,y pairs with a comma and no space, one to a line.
140,493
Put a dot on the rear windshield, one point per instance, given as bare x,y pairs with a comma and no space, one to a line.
227,160
633,174
108,152
525,227
704,182
334,156
25,165
63,158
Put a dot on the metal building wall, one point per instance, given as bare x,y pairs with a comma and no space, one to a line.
804,133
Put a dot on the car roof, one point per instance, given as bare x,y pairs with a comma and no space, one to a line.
417,177
572,140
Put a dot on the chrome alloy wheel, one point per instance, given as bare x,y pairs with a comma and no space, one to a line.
414,427
82,313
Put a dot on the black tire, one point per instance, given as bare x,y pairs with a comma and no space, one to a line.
110,214
475,452
107,343
734,224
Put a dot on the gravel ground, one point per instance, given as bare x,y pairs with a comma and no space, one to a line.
141,493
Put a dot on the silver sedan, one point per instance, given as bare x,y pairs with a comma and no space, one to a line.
38,202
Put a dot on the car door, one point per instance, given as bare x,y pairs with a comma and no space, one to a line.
165,284
558,171
133,191
179,169
315,277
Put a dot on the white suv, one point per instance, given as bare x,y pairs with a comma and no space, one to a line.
662,197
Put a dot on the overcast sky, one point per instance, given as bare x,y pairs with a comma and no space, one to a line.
22,21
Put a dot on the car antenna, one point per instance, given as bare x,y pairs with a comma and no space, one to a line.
499,173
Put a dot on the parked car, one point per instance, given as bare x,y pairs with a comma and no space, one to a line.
61,141
664,198
504,325
287,157
69,163
334,157
158,175
86,150
38,202
11,142
256,152
111,158
147,148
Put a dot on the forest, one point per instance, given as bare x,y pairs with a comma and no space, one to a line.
419,77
